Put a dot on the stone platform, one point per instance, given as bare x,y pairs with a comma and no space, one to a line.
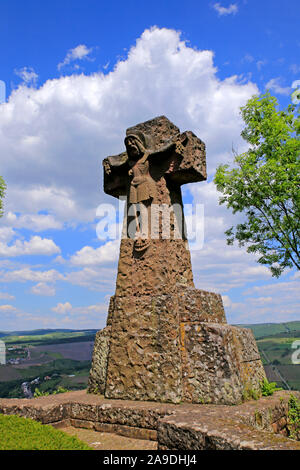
254,425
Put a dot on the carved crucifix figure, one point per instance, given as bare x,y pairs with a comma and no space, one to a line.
142,186
157,161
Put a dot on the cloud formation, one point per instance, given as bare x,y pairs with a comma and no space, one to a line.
28,76
44,289
35,246
221,10
57,135
275,86
77,53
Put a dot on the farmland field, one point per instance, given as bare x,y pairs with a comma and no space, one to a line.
276,352
78,351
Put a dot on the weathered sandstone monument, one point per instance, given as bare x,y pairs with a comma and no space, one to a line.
165,340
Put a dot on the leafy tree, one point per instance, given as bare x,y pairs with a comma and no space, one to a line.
264,184
2,192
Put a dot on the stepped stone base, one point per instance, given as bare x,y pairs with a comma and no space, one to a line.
255,425
174,347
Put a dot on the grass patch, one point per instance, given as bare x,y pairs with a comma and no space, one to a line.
18,433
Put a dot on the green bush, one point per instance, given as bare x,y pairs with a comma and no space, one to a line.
268,388
294,417
18,433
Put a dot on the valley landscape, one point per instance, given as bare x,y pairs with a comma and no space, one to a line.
51,361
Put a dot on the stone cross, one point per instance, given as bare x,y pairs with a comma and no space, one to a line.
158,160
165,340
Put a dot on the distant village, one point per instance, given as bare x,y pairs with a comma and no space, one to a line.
22,352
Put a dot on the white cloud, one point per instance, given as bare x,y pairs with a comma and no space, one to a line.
5,295
94,278
28,75
35,246
6,234
26,274
91,316
67,309
43,289
231,10
89,256
272,302
260,64
34,222
77,53
287,289
274,85
7,308
62,308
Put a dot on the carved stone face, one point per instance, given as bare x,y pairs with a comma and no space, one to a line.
132,147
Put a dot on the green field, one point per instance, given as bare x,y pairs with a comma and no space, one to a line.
275,341
55,337
262,330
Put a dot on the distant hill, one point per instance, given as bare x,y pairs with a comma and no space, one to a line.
41,332
42,337
262,330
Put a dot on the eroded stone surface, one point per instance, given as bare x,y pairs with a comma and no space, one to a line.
220,363
144,358
97,377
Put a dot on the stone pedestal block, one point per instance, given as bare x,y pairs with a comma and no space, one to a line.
175,348
220,363
144,356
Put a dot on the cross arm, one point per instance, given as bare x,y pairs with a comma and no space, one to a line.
185,158
115,169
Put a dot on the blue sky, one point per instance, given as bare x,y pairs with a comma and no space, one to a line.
77,74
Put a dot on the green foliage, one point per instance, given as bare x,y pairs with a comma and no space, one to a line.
18,433
39,393
2,193
268,388
264,184
294,417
